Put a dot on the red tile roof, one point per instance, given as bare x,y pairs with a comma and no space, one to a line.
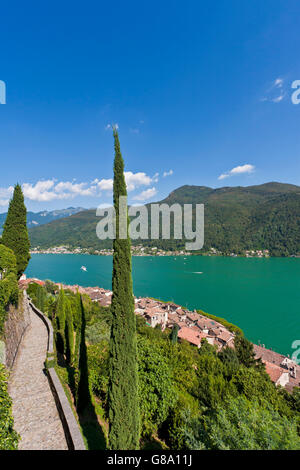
274,371
191,335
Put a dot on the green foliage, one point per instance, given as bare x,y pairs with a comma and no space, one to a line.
244,425
8,282
8,437
39,296
83,398
61,322
98,369
157,394
245,351
174,333
8,263
69,332
295,399
97,332
176,423
230,359
15,234
50,287
41,299
213,386
207,348
123,370
257,385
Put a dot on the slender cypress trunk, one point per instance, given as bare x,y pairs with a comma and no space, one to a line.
123,378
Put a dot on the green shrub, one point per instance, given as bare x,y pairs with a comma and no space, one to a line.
243,425
8,437
8,282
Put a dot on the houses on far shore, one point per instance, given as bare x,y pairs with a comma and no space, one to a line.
192,327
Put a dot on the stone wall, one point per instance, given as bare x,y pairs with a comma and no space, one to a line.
16,323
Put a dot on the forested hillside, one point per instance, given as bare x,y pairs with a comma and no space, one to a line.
236,219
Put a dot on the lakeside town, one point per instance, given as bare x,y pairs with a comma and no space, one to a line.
193,327
139,250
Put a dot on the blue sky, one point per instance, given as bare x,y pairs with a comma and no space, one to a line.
198,89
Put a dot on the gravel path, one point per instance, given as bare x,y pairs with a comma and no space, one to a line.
35,414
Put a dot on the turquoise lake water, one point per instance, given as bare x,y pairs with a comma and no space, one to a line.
261,296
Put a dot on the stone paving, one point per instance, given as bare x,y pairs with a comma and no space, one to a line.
35,414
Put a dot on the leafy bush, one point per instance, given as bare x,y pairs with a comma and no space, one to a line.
98,369
97,332
8,437
244,425
8,282
157,394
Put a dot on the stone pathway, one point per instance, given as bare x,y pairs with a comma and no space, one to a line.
35,414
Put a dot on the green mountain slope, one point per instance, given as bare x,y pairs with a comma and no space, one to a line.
236,218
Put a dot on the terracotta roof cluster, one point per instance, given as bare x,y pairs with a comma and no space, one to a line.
275,372
24,283
282,363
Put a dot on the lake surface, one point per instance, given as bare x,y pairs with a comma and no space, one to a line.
261,296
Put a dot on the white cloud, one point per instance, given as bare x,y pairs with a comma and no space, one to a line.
145,195
5,195
49,190
278,83
6,192
276,87
134,180
4,202
155,178
104,205
168,173
111,126
247,168
278,98
105,184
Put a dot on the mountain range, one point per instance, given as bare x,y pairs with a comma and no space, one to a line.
44,217
239,218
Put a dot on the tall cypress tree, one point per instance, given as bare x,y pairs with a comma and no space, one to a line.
83,397
123,375
60,321
15,234
69,332
174,333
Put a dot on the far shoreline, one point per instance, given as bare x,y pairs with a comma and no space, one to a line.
170,255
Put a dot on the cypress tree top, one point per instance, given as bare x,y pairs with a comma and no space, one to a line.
123,378
15,234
